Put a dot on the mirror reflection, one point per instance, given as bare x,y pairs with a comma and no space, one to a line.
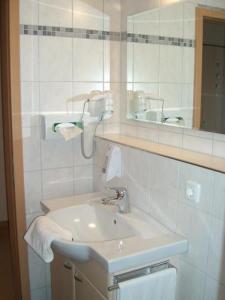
175,64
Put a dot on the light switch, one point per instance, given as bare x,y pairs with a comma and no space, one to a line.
193,191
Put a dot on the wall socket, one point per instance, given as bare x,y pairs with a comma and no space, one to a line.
193,191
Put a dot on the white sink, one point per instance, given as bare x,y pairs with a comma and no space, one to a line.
92,223
116,241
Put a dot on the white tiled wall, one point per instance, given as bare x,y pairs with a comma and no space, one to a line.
157,186
54,70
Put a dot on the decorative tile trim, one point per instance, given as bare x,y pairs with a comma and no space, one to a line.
40,30
82,33
159,40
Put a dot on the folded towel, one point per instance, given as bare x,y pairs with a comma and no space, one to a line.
40,235
68,130
156,286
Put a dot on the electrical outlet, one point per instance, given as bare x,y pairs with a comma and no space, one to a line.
193,191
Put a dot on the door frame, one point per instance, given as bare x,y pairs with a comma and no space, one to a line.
12,140
200,15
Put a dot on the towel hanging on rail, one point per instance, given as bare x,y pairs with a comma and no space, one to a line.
160,285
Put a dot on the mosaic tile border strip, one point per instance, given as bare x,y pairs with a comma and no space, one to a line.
159,40
41,30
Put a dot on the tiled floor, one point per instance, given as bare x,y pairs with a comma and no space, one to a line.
6,285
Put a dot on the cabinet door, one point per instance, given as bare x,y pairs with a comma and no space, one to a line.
84,290
62,279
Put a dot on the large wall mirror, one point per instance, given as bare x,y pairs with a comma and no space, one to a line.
174,63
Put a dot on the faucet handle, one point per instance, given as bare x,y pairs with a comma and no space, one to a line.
121,197
120,191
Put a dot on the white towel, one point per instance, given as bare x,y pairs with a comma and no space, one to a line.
114,163
40,235
156,286
68,130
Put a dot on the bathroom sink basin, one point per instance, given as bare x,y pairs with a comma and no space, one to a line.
116,241
92,223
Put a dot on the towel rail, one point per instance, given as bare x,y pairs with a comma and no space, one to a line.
138,273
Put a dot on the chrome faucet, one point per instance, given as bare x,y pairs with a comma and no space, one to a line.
121,199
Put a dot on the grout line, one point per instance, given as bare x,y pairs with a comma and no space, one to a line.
72,87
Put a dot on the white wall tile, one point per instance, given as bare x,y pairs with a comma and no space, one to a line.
38,294
112,15
31,148
55,97
169,138
216,257
111,128
213,3
29,12
49,293
163,210
188,64
164,177
84,179
30,104
219,148
198,133
37,278
88,60
112,61
187,103
171,93
189,19
33,191
146,62
56,153
139,170
163,186
128,71
218,199
55,13
170,68
29,58
171,20
55,58
213,290
88,14
129,130
146,134
115,90
195,226
58,183
84,172
147,22
197,144
138,197
148,88
190,282
79,160
83,186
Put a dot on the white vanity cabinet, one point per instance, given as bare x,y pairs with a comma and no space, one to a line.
84,290
62,278
69,283
89,280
